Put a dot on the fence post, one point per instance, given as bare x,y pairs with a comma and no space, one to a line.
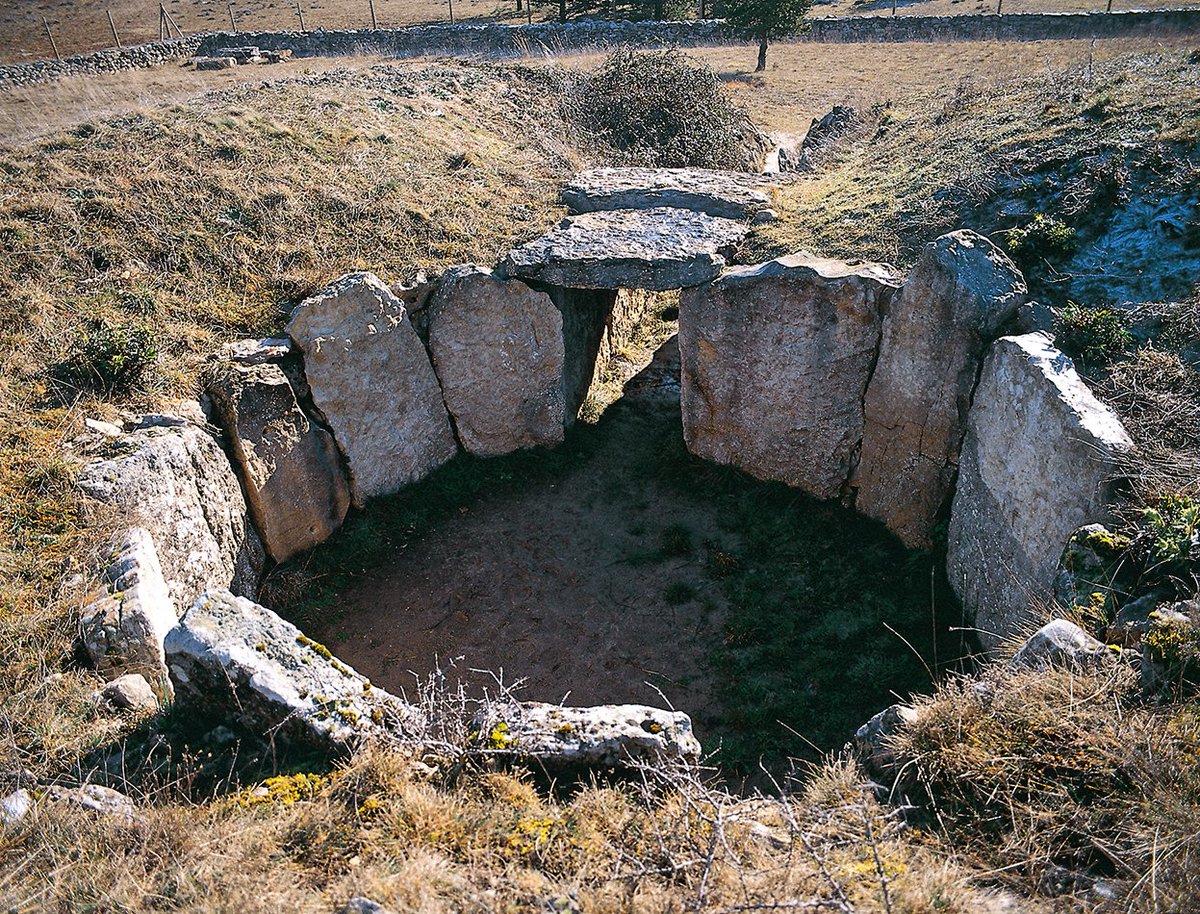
374,22
112,25
451,3
1109,9
232,18
300,13
50,35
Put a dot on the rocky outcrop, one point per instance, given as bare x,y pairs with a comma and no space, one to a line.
497,348
176,482
657,249
232,658
955,301
290,467
1059,644
372,382
1039,460
605,736
776,360
123,630
728,194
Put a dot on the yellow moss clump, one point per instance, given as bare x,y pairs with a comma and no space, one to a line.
283,790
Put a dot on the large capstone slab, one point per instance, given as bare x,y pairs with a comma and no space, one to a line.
657,249
955,301
290,466
498,351
176,482
775,364
233,659
605,736
728,194
372,382
1039,460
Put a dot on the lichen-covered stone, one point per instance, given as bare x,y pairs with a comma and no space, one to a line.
775,364
498,351
1039,460
373,385
1060,644
175,481
290,466
602,736
728,194
955,301
657,249
232,658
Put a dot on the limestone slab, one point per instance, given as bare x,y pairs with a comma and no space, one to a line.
728,194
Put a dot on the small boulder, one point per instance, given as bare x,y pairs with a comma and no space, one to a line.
1041,458
15,807
373,385
175,482
873,740
497,348
234,658
1060,644
775,364
130,692
658,249
290,466
604,736
124,629
103,801
362,905
257,351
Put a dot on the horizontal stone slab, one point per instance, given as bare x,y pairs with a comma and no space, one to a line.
728,194
657,249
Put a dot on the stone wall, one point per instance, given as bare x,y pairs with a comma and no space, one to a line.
499,40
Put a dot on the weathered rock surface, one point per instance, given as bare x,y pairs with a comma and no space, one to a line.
1038,461
873,740
372,382
257,352
776,359
1059,644
822,133
728,194
497,348
605,736
103,801
586,315
130,692
290,466
124,629
231,657
656,249
959,295
176,482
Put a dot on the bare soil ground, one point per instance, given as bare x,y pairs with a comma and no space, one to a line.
559,586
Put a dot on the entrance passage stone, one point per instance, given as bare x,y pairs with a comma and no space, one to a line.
235,659
372,382
962,290
657,249
728,194
1039,461
497,349
775,364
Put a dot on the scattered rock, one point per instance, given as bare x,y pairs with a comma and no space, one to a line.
372,383
233,658
657,249
1132,620
125,628
130,692
822,132
257,352
873,740
728,194
290,466
215,63
603,736
1039,460
177,483
15,807
962,290
497,348
363,906
775,363
1059,644
103,801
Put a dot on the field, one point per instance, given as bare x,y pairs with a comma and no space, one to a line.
82,25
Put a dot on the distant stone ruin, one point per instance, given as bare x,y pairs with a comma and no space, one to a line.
898,395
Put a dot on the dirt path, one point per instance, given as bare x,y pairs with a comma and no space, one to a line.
570,588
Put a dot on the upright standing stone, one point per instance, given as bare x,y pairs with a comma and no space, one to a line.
1039,460
291,469
956,300
177,483
776,359
372,382
497,348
